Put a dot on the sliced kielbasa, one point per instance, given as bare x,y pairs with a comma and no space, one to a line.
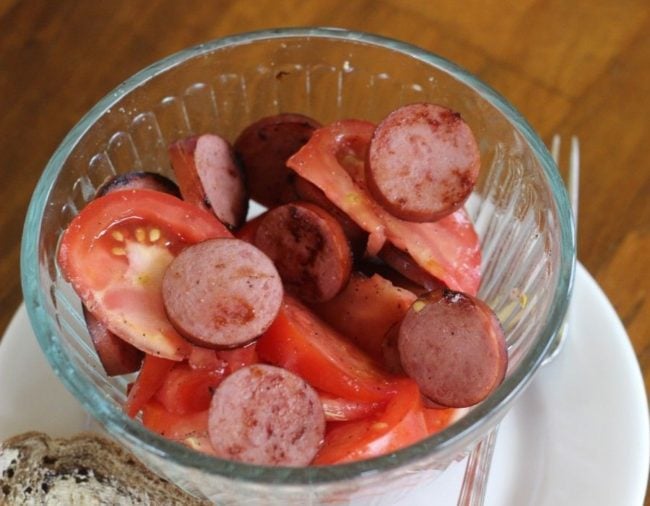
209,177
266,415
115,354
423,162
357,237
221,293
136,180
264,148
453,346
404,264
309,249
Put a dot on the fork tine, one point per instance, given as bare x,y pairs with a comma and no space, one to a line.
478,468
574,177
555,148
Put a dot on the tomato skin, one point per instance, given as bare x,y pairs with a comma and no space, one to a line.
205,358
300,342
438,419
117,270
400,424
173,426
151,377
249,229
236,358
186,390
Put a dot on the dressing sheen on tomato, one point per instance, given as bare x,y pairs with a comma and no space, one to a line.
300,342
115,252
399,424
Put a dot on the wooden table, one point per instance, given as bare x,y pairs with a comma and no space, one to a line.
575,68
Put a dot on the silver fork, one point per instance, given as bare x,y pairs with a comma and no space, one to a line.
480,459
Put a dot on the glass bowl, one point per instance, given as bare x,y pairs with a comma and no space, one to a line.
519,207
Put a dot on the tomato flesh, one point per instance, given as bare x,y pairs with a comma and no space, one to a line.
400,424
237,358
115,252
205,358
150,378
187,390
173,426
300,342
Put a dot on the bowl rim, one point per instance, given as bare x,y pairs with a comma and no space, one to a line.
452,441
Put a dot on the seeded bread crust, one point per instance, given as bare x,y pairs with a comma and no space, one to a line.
86,469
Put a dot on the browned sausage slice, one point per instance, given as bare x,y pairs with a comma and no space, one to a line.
309,249
116,355
453,346
357,237
404,264
137,179
209,177
263,149
423,162
221,293
266,415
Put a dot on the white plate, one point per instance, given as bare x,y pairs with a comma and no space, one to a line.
579,435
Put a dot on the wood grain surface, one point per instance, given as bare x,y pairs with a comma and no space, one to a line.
574,68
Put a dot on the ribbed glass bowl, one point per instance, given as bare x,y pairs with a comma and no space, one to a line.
519,207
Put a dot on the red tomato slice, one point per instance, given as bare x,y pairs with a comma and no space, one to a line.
190,429
298,341
173,426
237,358
115,252
438,419
249,229
400,424
205,358
448,249
150,378
338,409
187,390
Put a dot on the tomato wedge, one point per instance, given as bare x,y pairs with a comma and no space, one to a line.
448,248
400,424
190,430
438,419
298,341
205,358
236,358
187,390
114,253
150,378
173,426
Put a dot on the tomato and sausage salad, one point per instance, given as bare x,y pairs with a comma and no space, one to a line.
340,324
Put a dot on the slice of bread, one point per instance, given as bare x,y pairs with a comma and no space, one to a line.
83,470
